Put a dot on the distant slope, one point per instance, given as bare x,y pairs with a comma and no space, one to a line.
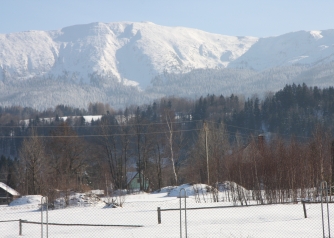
202,82
302,48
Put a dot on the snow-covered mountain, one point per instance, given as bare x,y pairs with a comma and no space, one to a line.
133,52
129,62
302,48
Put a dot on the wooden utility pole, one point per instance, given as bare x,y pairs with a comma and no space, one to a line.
206,150
332,168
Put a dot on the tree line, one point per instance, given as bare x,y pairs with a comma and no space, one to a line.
174,141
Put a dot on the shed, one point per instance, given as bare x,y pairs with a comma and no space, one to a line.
7,194
133,181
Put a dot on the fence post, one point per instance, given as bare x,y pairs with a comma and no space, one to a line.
324,189
185,212
20,227
159,215
304,208
46,201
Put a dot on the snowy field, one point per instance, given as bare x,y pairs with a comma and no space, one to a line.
141,209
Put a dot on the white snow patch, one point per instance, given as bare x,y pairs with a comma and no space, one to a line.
27,200
316,34
323,47
190,189
298,58
87,118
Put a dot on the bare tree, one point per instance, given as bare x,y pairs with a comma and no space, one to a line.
68,155
113,149
169,119
157,155
32,164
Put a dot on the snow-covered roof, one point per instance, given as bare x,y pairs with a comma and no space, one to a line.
97,192
9,189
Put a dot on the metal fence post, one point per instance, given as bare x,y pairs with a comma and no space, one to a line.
159,215
185,212
304,208
46,200
324,188
20,227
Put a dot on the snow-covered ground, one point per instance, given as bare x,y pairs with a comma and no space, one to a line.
141,209
88,119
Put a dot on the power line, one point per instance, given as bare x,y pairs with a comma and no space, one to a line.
136,125
100,135
106,125
261,131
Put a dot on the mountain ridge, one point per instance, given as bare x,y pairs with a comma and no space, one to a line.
130,51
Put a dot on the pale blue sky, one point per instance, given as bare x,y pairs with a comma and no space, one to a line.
234,17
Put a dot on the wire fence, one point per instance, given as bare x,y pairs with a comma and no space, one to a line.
181,212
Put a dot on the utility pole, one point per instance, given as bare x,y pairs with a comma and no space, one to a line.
206,150
332,167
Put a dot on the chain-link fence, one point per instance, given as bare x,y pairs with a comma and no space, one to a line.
184,211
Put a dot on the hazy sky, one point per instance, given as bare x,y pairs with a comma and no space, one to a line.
233,17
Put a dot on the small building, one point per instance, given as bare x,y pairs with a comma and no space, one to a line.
133,181
98,192
7,194
254,151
